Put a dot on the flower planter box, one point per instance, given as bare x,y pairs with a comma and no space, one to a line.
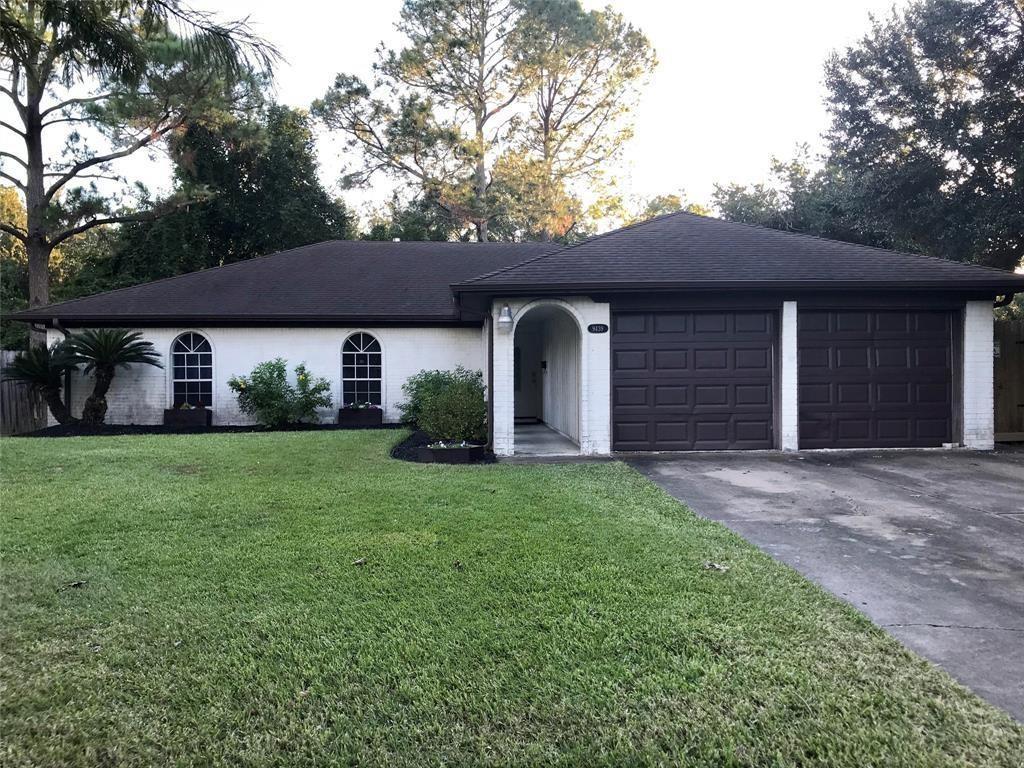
360,417
468,454
188,417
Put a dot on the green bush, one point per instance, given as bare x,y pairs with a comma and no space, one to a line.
266,394
423,385
453,408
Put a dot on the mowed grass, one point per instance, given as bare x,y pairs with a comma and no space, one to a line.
504,615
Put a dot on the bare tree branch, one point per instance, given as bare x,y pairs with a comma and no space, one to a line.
73,102
9,127
128,218
12,230
16,182
15,158
153,135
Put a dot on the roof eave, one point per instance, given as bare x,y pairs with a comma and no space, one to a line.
81,320
995,287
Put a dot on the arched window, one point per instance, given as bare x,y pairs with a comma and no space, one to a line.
360,370
192,361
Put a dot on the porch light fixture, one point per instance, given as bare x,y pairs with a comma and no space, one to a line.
505,319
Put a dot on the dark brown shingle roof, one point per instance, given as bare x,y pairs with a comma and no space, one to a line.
683,250
335,281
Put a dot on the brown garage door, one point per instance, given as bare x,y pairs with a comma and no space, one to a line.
875,379
692,380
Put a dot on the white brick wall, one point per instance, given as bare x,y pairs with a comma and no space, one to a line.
978,372
595,373
789,397
140,394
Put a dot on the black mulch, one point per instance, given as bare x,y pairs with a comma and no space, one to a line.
408,449
107,430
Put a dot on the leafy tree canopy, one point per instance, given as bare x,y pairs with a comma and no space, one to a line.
261,194
501,111
93,82
417,219
928,129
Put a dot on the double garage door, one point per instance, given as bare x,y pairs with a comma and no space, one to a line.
707,380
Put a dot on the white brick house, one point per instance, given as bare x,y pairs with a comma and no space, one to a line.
681,333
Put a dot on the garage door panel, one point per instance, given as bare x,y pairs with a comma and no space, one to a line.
630,324
671,360
753,395
707,380
671,395
630,360
875,378
669,322
814,357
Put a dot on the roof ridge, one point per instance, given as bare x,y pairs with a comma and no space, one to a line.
564,248
887,251
760,227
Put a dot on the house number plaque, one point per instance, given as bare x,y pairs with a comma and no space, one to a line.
597,328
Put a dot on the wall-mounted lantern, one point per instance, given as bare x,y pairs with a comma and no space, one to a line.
505,319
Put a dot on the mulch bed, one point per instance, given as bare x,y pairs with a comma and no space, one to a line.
408,449
108,430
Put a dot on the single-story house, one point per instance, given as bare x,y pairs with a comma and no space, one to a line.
679,333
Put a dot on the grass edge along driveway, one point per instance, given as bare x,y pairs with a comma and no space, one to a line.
197,599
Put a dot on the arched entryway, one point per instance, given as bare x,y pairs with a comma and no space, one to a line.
547,381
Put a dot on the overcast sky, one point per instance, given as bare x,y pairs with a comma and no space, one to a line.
738,81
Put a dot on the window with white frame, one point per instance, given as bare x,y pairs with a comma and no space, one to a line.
361,370
192,369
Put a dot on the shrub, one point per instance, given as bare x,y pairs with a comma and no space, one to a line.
266,394
421,386
453,408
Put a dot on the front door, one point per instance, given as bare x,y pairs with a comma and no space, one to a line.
527,381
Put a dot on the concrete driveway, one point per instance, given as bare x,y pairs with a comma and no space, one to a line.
928,544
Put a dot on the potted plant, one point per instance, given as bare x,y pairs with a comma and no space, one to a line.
455,417
356,415
188,415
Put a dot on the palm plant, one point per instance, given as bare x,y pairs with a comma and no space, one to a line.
102,351
43,369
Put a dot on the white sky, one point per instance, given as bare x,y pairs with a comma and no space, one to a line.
738,81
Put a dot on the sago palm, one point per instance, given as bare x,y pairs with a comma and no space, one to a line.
43,368
102,351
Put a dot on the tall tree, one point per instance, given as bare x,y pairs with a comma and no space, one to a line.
928,128
803,195
662,205
446,95
582,70
131,72
496,108
261,194
418,219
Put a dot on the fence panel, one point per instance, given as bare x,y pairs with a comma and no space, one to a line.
1009,380
21,410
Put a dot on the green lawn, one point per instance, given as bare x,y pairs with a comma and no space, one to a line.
504,615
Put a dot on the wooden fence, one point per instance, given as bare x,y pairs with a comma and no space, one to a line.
1009,362
20,409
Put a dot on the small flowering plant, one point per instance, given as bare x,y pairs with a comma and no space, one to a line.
360,406
453,444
